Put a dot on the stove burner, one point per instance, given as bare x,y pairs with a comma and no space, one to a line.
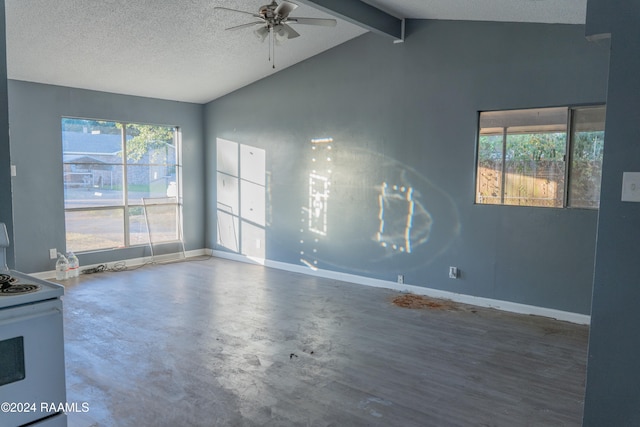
18,288
6,279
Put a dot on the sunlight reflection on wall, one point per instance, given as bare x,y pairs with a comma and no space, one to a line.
316,211
241,209
397,212
383,214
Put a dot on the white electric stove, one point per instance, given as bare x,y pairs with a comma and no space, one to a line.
18,288
32,376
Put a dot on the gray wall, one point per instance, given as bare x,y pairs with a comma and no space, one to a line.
406,114
35,111
613,371
6,211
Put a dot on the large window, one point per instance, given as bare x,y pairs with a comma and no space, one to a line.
111,170
547,157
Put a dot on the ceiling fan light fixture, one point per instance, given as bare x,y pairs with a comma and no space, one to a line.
261,33
281,33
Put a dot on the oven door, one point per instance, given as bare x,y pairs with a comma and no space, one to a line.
31,362
58,420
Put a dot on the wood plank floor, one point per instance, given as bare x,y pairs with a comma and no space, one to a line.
219,343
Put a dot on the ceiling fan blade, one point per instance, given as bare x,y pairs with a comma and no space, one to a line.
312,21
236,10
250,24
284,9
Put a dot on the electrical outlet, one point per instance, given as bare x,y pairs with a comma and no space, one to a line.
401,279
53,253
454,273
631,186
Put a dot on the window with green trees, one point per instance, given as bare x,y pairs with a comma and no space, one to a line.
545,157
109,170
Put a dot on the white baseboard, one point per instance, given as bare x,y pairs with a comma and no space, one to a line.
513,307
133,262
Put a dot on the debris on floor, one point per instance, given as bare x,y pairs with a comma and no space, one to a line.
419,301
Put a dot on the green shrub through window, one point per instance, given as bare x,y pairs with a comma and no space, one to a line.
525,157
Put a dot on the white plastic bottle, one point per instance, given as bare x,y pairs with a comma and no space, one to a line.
62,267
74,265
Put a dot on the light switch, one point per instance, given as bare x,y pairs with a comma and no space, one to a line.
13,170
631,186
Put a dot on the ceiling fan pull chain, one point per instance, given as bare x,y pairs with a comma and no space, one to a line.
269,44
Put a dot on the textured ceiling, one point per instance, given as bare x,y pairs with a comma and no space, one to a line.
169,49
178,49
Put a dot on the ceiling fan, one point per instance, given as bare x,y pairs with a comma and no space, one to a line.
273,20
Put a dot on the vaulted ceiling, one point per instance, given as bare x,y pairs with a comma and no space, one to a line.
179,49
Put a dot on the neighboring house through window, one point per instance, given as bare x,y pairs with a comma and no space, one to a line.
110,170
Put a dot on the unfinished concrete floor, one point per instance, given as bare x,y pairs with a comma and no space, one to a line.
220,343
